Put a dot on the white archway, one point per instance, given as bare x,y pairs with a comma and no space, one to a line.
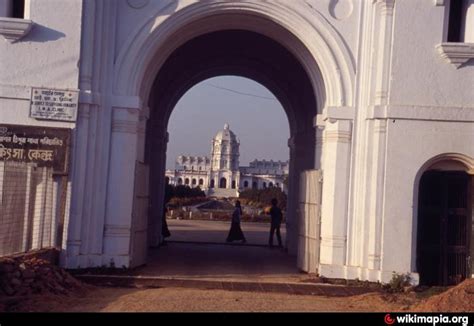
301,29
297,28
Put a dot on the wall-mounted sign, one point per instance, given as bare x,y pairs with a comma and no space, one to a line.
54,104
44,146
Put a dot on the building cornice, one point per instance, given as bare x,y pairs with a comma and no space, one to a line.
13,29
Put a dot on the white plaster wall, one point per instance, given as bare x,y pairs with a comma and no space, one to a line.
410,144
424,93
132,19
49,55
419,76
342,15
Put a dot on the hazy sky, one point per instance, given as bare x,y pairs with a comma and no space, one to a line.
259,121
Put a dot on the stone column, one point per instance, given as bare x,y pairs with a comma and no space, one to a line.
376,195
336,168
79,151
119,206
292,201
301,158
158,143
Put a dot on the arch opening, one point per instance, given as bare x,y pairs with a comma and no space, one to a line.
244,54
444,236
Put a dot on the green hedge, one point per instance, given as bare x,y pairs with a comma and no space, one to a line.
262,197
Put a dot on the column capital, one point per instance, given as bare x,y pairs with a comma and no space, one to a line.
125,120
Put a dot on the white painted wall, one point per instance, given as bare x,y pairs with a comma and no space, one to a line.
392,104
419,76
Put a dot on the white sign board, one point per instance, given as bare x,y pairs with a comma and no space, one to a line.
54,104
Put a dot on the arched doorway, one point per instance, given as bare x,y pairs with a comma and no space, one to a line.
290,50
223,183
245,54
444,224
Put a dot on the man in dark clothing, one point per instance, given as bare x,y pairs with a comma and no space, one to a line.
165,232
276,216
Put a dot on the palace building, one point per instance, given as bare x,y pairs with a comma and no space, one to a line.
221,175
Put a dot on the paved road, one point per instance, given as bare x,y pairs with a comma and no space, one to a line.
216,231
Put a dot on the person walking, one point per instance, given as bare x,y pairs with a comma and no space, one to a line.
276,217
235,232
165,232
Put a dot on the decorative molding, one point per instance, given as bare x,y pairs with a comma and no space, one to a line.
467,161
125,126
117,231
131,102
418,112
337,136
386,6
13,29
341,9
337,113
319,44
380,127
137,4
456,53
333,242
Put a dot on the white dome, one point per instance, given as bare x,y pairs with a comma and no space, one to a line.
225,135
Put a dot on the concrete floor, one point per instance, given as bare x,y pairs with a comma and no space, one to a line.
197,256
206,256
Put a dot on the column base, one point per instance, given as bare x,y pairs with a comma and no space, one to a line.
361,273
94,261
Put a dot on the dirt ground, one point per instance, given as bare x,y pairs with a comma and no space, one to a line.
102,299
96,299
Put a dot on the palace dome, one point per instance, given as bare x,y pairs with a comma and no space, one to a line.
225,135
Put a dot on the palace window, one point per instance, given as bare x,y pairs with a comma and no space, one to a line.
12,8
14,29
246,184
459,22
457,47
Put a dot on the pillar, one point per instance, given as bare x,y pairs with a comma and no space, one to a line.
119,206
336,168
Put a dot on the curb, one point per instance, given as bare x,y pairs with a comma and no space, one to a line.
266,287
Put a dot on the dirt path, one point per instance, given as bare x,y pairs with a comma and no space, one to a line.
187,300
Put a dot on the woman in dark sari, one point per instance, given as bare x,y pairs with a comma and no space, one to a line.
235,232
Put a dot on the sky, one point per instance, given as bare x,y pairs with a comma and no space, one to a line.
252,112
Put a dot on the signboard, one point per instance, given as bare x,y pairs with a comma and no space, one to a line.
44,146
53,104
